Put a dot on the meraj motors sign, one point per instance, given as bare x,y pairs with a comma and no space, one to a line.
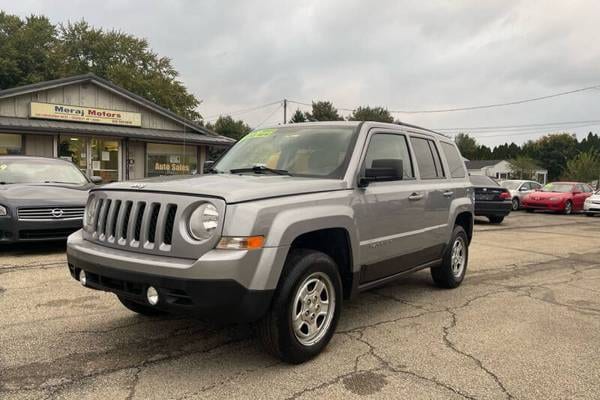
84,114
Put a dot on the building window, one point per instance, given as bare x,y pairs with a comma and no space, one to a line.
171,159
10,144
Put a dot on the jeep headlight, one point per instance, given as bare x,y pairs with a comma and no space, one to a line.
3,211
203,221
90,213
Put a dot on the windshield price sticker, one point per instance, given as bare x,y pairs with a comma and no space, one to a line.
3,167
261,133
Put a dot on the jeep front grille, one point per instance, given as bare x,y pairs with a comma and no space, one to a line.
135,223
149,222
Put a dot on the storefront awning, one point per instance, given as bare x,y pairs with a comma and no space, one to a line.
23,125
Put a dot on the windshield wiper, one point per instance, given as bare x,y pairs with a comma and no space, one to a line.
66,183
258,169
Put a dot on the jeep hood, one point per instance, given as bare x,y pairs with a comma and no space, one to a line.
232,188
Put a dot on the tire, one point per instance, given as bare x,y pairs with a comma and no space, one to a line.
568,208
447,275
276,330
141,309
496,219
516,204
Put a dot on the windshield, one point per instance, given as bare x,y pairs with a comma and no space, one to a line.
558,187
39,171
319,151
511,185
480,180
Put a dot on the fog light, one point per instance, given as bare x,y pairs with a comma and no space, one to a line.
82,277
152,296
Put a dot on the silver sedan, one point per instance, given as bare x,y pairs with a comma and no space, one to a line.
591,206
519,189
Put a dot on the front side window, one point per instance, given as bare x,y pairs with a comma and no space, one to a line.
319,151
426,154
455,161
384,146
39,171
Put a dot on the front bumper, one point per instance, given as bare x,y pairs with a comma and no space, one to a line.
493,208
12,230
591,208
228,285
546,206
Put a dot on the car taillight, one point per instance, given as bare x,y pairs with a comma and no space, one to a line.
505,195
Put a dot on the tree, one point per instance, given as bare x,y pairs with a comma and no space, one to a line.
585,167
552,152
298,117
367,113
523,167
467,145
26,50
34,50
323,111
227,126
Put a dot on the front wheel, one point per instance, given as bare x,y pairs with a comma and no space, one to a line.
451,272
306,307
515,204
568,208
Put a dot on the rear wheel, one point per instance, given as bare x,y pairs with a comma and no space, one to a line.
516,204
568,207
306,307
451,272
496,219
139,308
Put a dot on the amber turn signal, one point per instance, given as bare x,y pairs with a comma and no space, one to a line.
241,243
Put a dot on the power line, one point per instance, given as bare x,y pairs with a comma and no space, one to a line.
476,107
530,132
242,111
268,117
476,128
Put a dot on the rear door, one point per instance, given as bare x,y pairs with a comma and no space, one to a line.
438,193
389,215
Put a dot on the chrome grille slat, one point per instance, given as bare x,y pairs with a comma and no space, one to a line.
50,213
111,219
145,227
102,219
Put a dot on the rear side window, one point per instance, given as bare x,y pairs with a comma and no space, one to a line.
390,146
428,158
455,161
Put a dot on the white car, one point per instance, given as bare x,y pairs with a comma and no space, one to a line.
591,206
519,189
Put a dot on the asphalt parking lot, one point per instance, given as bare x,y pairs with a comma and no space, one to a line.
525,324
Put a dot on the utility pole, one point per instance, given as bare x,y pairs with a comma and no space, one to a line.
284,111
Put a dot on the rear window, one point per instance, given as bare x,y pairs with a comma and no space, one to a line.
455,161
428,159
480,180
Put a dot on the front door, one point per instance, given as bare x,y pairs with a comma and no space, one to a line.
93,156
389,214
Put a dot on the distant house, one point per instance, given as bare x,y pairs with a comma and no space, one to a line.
500,169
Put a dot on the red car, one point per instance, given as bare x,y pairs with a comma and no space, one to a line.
564,197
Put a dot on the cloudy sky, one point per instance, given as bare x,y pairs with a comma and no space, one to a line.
404,55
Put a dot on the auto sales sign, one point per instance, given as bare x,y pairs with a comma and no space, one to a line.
84,114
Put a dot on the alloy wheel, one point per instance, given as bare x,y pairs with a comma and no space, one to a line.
313,308
458,258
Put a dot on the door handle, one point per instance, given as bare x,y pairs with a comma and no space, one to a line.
415,196
448,193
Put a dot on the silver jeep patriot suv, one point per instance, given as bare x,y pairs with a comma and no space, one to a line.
291,221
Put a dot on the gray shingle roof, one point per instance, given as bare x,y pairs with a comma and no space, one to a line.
42,126
478,164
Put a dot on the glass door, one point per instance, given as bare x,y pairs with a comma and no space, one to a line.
93,156
74,149
105,159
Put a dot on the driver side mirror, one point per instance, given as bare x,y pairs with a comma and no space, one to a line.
382,170
96,180
207,166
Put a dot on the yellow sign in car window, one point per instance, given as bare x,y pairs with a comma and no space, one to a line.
261,133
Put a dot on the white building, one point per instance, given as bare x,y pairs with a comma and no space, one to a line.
500,169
